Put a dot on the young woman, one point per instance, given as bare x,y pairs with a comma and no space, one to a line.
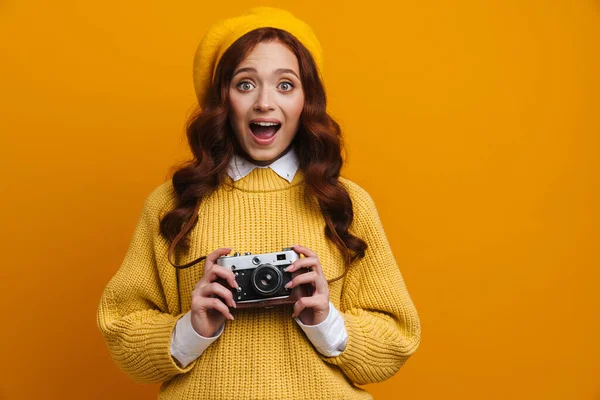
264,176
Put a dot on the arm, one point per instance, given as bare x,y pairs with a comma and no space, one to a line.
381,320
134,314
187,344
329,337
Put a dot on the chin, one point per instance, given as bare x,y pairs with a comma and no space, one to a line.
264,155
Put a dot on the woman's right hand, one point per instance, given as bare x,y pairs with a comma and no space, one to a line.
208,308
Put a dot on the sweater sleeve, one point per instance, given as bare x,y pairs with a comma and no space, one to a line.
133,315
381,320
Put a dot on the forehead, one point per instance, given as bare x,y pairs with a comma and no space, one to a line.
268,56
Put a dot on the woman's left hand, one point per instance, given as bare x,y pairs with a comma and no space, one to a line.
311,310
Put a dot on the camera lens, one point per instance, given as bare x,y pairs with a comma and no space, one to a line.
267,279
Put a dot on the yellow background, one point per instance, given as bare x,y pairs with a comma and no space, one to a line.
474,125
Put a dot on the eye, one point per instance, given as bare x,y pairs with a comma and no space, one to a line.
244,86
286,86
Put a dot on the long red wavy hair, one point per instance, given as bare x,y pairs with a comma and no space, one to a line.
318,144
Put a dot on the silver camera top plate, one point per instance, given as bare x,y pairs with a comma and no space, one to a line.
248,260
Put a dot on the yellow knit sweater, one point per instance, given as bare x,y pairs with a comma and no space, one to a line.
262,354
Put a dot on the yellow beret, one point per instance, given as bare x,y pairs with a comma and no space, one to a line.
224,33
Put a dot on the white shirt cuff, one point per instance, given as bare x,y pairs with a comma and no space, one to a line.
186,344
329,337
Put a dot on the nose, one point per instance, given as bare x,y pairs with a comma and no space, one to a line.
264,101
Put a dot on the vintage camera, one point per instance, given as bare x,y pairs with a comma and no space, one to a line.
261,277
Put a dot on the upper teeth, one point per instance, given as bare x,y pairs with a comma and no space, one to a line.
266,123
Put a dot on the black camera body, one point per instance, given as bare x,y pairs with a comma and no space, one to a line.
261,277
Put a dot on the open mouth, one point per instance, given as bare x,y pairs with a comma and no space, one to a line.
264,130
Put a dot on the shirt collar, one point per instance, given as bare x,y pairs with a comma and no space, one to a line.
285,166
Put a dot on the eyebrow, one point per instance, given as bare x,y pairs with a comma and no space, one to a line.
277,71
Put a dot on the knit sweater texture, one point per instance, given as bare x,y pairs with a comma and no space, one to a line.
263,353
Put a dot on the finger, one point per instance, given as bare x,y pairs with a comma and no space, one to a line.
216,289
221,272
304,250
308,262
317,280
308,277
321,285
213,303
305,302
223,251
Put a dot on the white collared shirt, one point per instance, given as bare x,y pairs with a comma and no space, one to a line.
285,166
329,337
